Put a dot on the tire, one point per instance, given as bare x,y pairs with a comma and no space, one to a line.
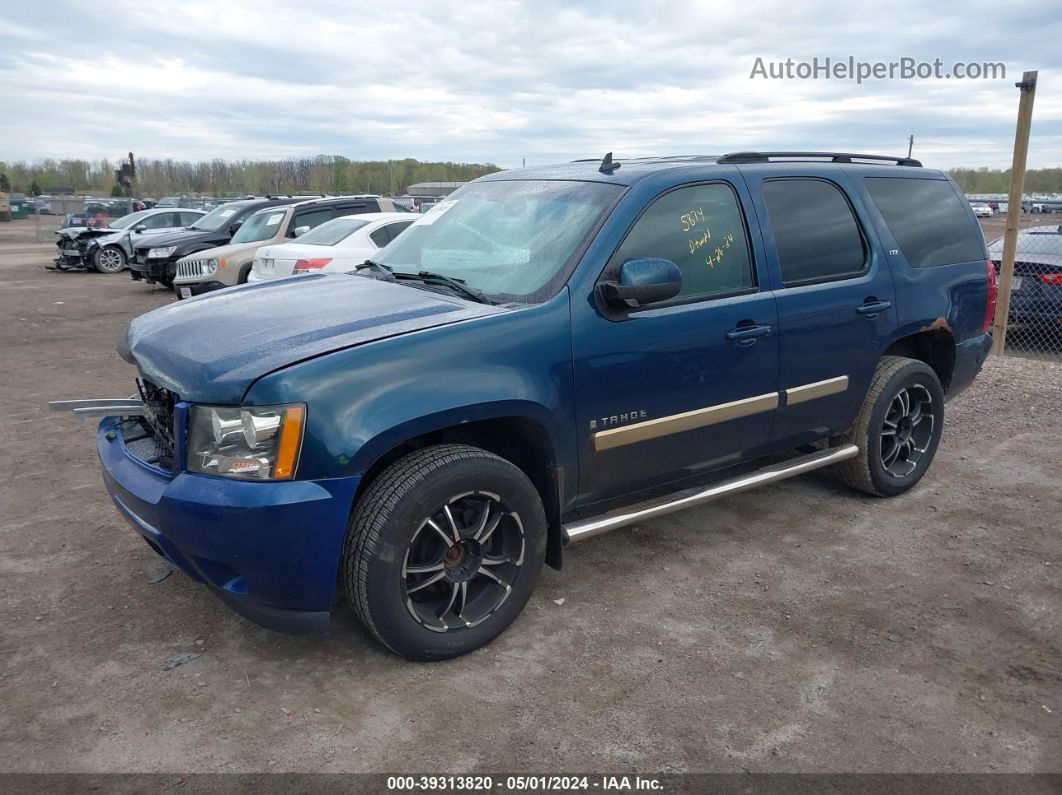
895,445
406,519
109,259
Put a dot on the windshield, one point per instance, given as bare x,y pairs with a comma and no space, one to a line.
216,219
260,226
127,221
331,232
510,238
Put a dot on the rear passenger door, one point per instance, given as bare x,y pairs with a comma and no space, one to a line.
834,293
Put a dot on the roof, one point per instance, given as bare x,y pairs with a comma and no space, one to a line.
436,185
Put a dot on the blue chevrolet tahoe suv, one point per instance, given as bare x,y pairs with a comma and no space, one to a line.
548,354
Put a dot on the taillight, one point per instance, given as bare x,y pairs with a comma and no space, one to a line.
307,265
990,307
1054,279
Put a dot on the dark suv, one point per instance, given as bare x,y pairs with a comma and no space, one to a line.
536,361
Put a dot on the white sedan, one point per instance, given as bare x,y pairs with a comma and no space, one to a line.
336,246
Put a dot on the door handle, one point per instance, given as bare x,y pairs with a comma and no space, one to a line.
872,308
747,335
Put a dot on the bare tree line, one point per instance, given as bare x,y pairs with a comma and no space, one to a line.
321,174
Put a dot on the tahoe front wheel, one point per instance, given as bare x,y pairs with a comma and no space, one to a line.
898,428
443,551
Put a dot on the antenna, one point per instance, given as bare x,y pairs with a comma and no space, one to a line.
910,145
607,164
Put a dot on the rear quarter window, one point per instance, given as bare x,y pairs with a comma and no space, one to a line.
929,221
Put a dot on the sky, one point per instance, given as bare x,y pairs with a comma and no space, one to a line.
507,82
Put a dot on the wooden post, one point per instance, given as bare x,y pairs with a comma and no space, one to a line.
1027,86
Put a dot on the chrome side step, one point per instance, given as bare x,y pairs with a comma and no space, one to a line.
596,525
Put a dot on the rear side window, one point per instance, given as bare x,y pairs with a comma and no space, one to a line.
815,233
701,230
311,219
394,230
930,222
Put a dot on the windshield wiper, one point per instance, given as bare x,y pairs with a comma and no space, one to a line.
457,285
370,264
385,273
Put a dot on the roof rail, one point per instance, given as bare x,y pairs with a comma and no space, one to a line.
835,157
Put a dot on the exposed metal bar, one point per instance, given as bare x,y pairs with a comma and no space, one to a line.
596,525
123,410
71,405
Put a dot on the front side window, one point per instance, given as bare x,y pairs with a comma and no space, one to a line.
928,220
701,230
158,221
129,221
513,238
261,226
815,233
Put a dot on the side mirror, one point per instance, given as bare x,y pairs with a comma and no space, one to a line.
300,230
139,228
644,280
234,227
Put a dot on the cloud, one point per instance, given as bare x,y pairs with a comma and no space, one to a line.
502,81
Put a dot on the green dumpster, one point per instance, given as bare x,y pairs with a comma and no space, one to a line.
19,210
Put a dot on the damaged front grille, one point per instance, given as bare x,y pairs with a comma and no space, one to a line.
150,437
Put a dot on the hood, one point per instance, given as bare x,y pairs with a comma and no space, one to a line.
181,237
211,349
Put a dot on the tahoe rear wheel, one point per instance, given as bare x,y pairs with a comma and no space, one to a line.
443,551
897,430
110,259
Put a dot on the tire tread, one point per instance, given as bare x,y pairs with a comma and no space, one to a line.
373,510
855,472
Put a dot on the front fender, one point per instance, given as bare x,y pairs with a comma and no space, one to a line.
363,401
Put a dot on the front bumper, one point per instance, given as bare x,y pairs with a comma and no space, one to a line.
151,270
270,550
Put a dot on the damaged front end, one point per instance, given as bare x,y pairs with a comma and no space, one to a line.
145,421
75,248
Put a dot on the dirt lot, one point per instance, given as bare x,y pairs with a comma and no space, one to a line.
801,628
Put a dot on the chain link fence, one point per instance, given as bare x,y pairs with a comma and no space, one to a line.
1034,322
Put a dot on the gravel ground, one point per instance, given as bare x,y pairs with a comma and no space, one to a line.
799,628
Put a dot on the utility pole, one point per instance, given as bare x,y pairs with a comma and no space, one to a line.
1027,87
910,145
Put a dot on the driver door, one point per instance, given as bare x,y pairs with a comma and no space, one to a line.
671,389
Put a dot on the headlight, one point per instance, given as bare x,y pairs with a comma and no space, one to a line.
161,253
253,443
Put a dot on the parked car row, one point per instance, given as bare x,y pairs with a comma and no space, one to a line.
107,247
198,252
